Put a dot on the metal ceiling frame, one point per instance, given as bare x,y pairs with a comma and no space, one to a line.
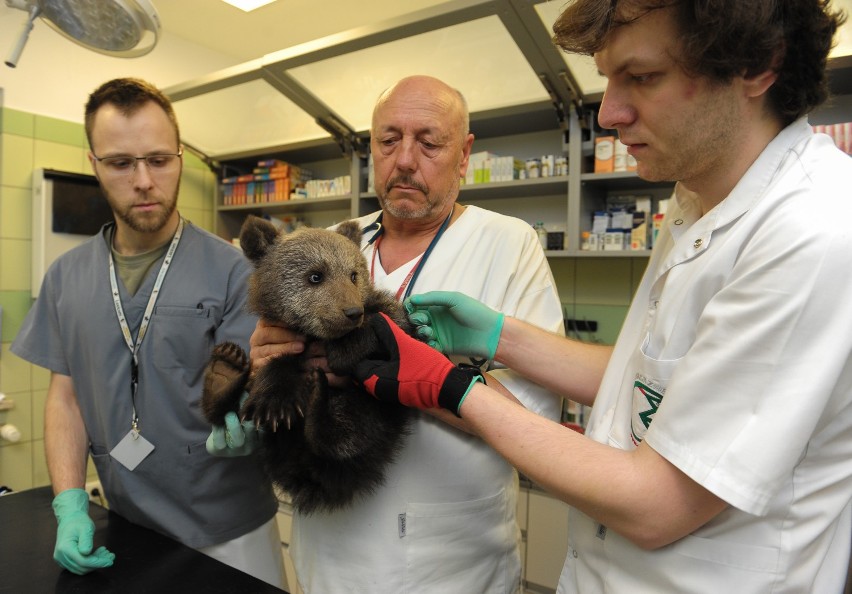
519,17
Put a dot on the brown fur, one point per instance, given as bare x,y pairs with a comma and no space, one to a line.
323,445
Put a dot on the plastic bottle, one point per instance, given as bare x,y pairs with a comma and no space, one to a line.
542,234
10,433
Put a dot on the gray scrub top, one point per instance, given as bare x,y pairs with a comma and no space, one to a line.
179,489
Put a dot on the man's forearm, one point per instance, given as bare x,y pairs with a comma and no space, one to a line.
568,367
65,438
636,493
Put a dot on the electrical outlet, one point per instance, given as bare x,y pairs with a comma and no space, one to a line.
580,326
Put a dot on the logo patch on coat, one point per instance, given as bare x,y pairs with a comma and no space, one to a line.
646,400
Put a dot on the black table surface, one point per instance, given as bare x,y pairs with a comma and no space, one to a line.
145,561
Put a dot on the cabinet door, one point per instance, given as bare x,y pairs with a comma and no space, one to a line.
547,541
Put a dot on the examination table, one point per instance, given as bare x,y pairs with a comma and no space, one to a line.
145,561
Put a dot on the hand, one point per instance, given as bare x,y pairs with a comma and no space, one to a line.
270,340
75,533
235,438
455,324
412,373
315,358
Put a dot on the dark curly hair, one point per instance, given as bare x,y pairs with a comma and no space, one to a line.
128,94
722,39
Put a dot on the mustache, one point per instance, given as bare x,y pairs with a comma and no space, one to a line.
405,180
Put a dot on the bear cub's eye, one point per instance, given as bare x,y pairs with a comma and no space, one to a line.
315,278
354,278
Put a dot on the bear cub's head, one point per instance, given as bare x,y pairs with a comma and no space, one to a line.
314,281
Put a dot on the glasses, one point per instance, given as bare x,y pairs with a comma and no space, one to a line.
122,165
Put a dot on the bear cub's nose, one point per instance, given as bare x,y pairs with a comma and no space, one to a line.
354,313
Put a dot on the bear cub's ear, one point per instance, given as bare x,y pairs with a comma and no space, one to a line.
256,236
350,230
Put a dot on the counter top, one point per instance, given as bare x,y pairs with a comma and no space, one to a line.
145,561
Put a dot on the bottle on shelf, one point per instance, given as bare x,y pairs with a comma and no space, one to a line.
10,433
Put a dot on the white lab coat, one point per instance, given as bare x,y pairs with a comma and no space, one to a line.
445,519
734,364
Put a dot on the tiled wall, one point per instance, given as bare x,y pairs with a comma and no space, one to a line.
598,289
29,142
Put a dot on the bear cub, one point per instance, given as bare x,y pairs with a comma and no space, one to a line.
323,445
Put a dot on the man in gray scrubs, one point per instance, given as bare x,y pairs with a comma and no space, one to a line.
125,323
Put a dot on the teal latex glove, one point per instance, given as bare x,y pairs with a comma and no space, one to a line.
455,324
75,534
235,438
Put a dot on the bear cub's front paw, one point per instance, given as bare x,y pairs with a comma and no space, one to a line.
272,408
225,378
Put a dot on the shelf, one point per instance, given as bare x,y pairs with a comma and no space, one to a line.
597,254
302,152
541,186
287,206
620,180
518,119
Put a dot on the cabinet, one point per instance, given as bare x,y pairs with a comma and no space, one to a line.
303,104
591,190
545,529
284,519
564,203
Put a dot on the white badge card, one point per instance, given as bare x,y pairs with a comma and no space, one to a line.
131,450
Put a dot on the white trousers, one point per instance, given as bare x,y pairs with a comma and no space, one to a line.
257,553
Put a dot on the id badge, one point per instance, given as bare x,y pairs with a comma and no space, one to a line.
131,450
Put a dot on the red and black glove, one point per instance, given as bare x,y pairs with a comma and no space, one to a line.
413,373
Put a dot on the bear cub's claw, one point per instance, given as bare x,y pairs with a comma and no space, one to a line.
267,407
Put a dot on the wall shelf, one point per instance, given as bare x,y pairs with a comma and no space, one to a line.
597,254
293,206
619,180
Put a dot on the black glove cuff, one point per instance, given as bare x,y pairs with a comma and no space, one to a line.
456,386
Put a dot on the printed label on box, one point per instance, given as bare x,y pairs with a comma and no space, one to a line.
604,154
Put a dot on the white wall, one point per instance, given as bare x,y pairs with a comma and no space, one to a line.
54,76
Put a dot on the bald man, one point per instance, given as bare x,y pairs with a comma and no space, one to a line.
444,521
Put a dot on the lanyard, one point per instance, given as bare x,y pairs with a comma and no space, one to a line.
143,327
407,284
377,225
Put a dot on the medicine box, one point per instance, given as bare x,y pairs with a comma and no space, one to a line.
619,156
604,154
